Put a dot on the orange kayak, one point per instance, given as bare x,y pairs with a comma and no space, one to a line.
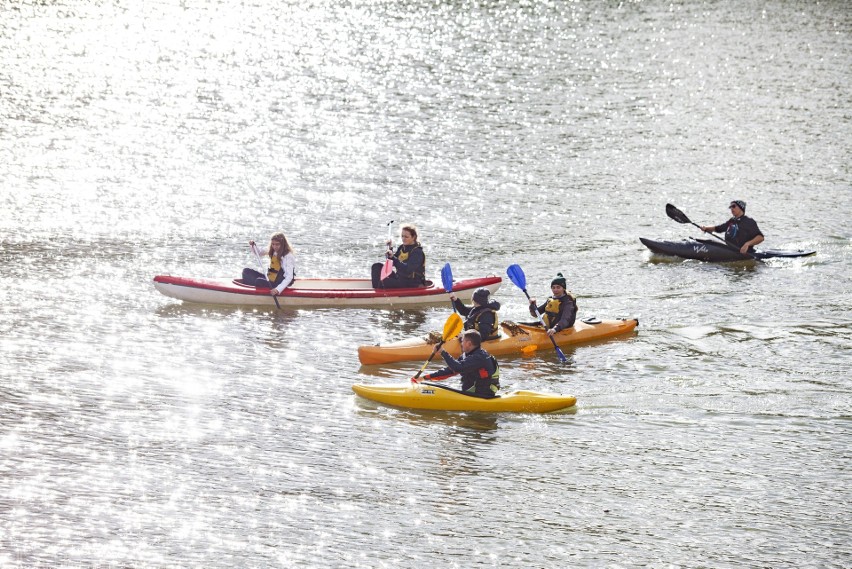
514,339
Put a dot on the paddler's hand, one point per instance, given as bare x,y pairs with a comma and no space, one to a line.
415,380
551,332
744,249
274,292
532,301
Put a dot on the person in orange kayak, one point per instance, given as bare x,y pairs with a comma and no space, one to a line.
409,262
480,373
560,310
282,266
482,316
741,231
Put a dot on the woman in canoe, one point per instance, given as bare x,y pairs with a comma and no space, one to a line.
282,266
480,374
409,262
482,316
560,310
741,231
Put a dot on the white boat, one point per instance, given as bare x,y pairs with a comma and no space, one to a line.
355,293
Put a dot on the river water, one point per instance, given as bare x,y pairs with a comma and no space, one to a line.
145,138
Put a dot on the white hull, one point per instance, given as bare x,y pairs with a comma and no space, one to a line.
350,293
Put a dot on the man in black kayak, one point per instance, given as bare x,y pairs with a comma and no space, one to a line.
740,231
480,374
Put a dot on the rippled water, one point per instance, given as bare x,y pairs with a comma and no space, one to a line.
158,137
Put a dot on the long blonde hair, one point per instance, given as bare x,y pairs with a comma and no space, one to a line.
285,250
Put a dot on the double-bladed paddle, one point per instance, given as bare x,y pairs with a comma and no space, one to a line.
256,252
680,217
447,281
387,269
519,279
452,327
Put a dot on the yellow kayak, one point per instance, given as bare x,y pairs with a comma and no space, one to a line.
514,339
437,397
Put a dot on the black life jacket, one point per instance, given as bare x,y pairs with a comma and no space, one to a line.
418,273
472,322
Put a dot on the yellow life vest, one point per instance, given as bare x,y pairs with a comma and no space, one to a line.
274,268
551,309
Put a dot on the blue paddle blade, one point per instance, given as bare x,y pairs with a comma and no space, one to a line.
447,278
517,276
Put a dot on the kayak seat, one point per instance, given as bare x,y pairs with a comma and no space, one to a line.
592,320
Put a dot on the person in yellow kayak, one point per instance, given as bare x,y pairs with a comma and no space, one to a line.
482,316
560,310
282,266
480,373
409,262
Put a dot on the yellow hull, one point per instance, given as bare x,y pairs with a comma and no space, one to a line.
431,397
418,349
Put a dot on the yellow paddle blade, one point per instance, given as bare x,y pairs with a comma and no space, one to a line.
453,326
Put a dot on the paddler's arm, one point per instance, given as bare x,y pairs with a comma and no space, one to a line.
454,365
751,243
440,375
459,305
288,265
536,310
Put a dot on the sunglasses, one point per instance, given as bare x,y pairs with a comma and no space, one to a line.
732,206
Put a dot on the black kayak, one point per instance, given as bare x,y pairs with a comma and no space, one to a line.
716,251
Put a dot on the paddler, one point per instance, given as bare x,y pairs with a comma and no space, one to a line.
560,310
741,231
482,316
480,374
282,266
409,262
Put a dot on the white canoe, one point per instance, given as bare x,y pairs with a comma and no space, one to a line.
316,292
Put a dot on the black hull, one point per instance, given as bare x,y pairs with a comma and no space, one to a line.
713,251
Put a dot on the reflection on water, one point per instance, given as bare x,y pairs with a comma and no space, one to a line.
460,421
158,137
178,309
401,323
